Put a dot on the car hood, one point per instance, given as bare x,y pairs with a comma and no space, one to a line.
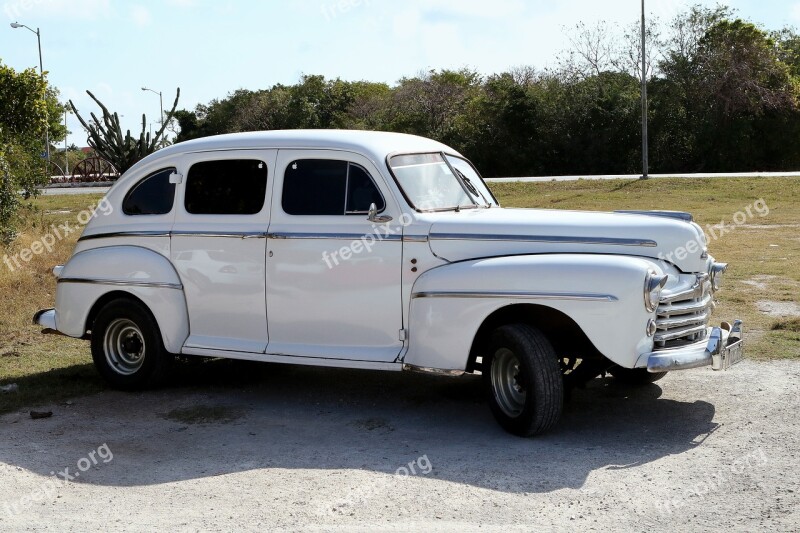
472,234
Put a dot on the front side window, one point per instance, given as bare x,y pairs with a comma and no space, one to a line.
328,187
154,195
429,184
226,187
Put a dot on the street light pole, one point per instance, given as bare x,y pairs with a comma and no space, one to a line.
645,147
66,146
16,25
160,101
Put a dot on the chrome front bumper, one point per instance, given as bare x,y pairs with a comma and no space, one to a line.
723,348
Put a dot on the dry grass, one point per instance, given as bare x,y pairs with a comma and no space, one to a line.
45,367
764,257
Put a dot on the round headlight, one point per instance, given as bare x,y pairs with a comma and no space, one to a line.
717,271
653,284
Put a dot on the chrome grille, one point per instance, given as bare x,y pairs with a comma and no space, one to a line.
683,314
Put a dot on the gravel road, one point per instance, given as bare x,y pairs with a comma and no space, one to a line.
291,448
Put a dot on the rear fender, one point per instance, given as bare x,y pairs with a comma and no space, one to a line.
91,275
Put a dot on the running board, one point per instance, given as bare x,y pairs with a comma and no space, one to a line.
293,359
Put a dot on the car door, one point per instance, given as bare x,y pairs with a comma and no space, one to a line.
218,246
333,276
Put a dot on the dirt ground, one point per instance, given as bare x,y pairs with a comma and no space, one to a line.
339,450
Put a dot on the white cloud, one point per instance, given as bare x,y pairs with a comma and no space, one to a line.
141,15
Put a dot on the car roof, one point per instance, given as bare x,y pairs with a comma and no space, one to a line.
374,144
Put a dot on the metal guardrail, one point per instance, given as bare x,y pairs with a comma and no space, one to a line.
652,176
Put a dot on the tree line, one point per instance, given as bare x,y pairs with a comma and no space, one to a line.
723,94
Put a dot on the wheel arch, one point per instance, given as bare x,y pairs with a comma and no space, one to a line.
166,306
106,299
566,336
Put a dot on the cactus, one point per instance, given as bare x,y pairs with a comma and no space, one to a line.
107,140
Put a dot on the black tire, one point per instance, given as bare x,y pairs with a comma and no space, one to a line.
635,376
523,381
126,346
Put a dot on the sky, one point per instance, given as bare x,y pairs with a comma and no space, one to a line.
210,48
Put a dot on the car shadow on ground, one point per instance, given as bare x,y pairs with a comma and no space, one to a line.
222,417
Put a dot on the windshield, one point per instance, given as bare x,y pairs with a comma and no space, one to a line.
429,183
475,184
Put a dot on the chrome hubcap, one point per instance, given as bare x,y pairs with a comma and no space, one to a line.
124,347
505,379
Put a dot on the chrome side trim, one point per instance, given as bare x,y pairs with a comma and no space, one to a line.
514,295
553,239
117,234
436,371
334,236
258,235
677,215
123,283
228,234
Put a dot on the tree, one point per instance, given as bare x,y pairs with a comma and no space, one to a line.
727,99
434,104
23,121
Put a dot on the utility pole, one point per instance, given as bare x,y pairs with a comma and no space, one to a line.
645,148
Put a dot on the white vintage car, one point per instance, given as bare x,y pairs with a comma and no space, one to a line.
388,252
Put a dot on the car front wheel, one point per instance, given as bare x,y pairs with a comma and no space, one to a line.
126,346
523,380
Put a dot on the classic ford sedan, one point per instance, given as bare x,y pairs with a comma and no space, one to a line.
388,252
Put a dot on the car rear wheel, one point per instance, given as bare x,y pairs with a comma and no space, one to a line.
126,346
523,380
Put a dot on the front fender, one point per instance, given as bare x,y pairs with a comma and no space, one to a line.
602,294
149,276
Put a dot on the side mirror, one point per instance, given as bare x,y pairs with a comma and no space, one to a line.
374,217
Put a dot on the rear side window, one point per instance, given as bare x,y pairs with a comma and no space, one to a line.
328,187
154,195
226,187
